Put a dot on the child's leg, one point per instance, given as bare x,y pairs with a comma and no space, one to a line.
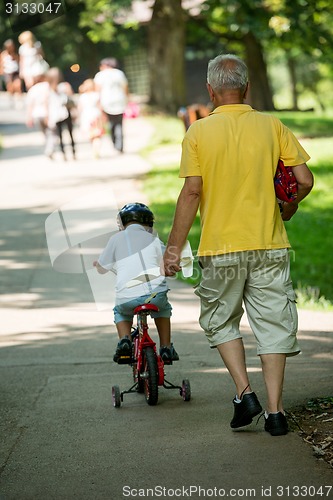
124,329
164,330
69,123
59,131
124,347
167,351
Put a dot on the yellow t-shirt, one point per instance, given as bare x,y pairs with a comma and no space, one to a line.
236,150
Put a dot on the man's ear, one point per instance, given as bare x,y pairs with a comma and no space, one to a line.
247,90
210,92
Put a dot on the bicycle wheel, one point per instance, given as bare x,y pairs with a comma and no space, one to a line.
150,376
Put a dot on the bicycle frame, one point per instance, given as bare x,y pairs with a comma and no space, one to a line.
142,340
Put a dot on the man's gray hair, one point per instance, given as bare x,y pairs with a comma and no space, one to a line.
227,72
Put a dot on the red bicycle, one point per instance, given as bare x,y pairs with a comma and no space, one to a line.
147,365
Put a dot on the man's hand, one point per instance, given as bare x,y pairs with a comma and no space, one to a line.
288,210
171,261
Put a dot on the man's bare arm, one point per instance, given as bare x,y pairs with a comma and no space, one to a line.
186,210
305,182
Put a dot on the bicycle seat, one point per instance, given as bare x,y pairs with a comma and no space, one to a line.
145,307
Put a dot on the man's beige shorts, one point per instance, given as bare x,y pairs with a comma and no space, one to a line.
261,280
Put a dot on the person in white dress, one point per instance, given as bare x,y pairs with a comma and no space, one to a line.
37,107
90,115
31,58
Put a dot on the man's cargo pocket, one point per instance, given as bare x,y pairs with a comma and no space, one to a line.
209,307
291,316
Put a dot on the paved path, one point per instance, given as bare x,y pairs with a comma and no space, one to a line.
60,436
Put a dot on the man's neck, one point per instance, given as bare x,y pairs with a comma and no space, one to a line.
228,97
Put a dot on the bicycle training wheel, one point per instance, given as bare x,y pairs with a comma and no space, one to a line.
116,398
150,376
186,390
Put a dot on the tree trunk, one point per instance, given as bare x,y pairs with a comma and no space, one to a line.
166,47
260,94
292,72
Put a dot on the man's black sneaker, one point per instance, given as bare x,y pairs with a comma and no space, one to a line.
244,411
166,355
276,424
123,354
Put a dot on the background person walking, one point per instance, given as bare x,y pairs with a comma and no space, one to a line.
9,63
59,116
243,248
112,85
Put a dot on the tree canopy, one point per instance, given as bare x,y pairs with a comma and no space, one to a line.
301,31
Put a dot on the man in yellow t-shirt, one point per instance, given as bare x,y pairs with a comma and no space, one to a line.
229,161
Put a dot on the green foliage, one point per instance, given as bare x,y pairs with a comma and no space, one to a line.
234,19
100,17
63,41
310,298
310,26
168,130
308,124
303,29
314,82
300,24
320,404
310,230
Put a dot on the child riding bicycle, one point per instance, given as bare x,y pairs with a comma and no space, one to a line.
135,255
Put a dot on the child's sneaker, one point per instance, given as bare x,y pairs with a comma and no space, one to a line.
123,354
174,353
166,355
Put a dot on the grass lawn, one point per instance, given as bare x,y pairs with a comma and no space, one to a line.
310,231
